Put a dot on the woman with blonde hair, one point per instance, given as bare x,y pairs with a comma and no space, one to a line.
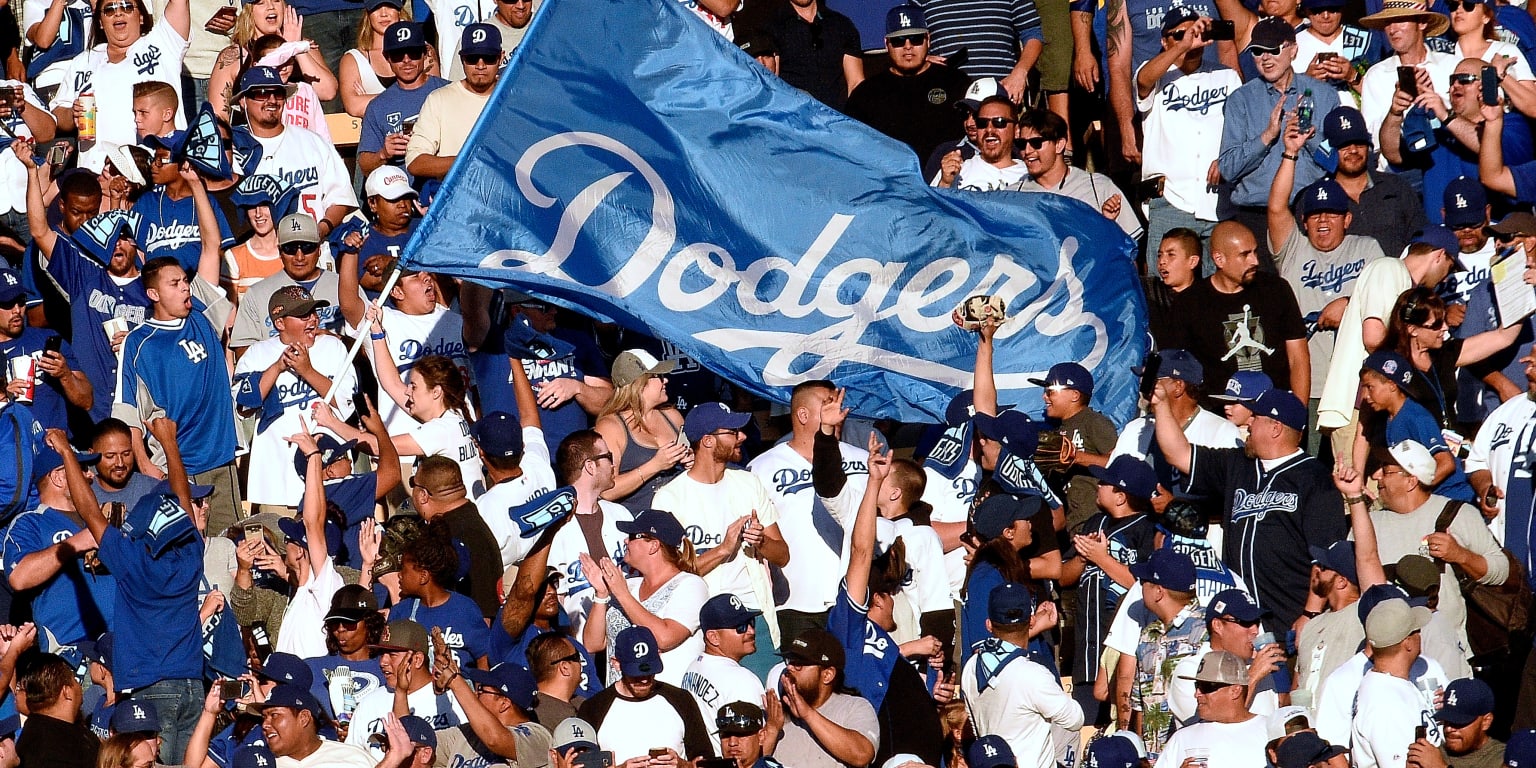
665,597
642,429
364,71
256,20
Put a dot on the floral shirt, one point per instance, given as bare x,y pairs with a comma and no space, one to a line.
1159,649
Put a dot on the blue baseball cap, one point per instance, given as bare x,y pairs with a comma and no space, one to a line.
1244,387
331,451
1391,366
1463,701
657,523
1010,604
1338,557
1014,428
1283,407
291,697
906,18
259,77
1177,364
1167,568
1067,376
499,434
1465,202
253,756
1344,125
11,288
1233,603
419,731
1323,196
725,611
705,418
1306,749
174,143
1443,239
1000,510
1129,474
293,530
135,717
1178,14
404,36
1520,750
286,668
990,751
48,460
1110,752
1378,594
508,680
480,40
962,408
637,652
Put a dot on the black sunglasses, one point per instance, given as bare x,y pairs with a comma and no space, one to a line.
1176,35
902,41
13,303
995,122
1239,622
1202,686
601,456
1465,5
1465,78
1034,142
480,59
574,658
1438,325
641,537
336,623
395,57
294,249
744,627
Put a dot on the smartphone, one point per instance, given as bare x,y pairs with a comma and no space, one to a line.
1420,733
593,758
1221,29
658,752
254,531
1408,81
117,512
1326,56
229,690
1491,86
221,19
1151,366
1491,497
53,344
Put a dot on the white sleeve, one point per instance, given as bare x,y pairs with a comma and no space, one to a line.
930,583
335,183
436,436
686,601
1124,635
534,445
64,97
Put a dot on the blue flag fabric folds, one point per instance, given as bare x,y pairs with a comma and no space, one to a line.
673,184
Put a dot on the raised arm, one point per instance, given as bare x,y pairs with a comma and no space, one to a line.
351,294
208,261
984,398
1170,436
178,13
1491,169
37,211
314,497
861,547
527,587
79,487
1281,221
1351,485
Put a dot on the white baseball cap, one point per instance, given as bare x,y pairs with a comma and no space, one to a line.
388,182
1415,459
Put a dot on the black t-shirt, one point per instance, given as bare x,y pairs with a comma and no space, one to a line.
49,743
1389,212
483,582
909,721
918,110
1256,321
811,55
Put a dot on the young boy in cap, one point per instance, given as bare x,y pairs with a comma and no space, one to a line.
740,725
1241,390
1395,418
168,207
639,713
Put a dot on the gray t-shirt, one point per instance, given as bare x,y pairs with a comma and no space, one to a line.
460,748
252,323
798,748
139,485
1318,278
1093,189
1325,643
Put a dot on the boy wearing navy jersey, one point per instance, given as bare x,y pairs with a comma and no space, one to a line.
168,208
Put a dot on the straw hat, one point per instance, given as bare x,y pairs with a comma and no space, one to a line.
1398,10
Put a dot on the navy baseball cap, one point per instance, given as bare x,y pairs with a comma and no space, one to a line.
1344,125
1463,701
637,652
292,697
1129,474
1520,750
286,668
499,434
173,143
1443,239
1110,752
1270,33
815,647
480,40
1178,14
1465,202
374,5
331,450
1235,604
1010,604
259,77
1323,196
725,611
1244,387
1012,427
417,730
990,751
508,680
1167,568
1338,557
136,717
740,718
705,418
293,530
905,19
1306,749
1067,376
1000,510
404,36
11,288
655,523
1283,407
1380,593
962,408
1177,364
1392,366
253,756
48,460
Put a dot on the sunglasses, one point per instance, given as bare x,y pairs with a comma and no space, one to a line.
1466,6
744,627
1465,78
1036,142
1176,35
902,41
12,304
600,457
480,59
1201,686
1259,51
122,7
414,54
995,122
574,658
341,624
294,249
641,537
262,94
1438,325
1239,622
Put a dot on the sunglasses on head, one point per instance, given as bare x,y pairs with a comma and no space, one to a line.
902,41
574,658
480,59
738,723
294,249
414,54
995,122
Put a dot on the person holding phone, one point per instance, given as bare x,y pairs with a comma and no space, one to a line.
384,136
1405,25
56,380
1327,48
643,721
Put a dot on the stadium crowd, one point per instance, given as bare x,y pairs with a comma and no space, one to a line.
508,534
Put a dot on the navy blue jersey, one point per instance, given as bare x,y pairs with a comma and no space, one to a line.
871,651
366,676
356,496
170,228
94,298
48,401
75,604
157,597
178,365
1098,596
463,626
1413,422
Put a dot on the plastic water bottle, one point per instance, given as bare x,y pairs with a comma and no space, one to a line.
1305,108
343,693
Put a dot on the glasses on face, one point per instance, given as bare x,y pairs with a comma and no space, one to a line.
1438,325
1208,688
600,457
12,304
264,94
574,658
480,59
902,41
1176,35
745,627
995,122
121,7
1036,142
1467,6
332,625
294,249
721,432
1464,78
161,162
641,537
1390,471
1260,51
414,54
1243,624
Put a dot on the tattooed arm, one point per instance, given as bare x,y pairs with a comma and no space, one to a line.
1118,54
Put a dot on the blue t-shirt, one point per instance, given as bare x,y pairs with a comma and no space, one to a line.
1450,159
94,298
48,401
366,676
1414,422
463,625
74,605
170,228
19,433
514,650
870,651
973,617
158,599
389,109
181,365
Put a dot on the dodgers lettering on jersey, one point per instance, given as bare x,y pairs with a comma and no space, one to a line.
1256,506
1332,278
1199,100
791,481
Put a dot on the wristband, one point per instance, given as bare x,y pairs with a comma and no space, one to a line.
310,455
601,600
1349,500
1284,156
1311,614
376,336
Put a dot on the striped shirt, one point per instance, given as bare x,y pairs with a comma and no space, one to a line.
990,31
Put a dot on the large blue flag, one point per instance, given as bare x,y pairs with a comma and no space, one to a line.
635,163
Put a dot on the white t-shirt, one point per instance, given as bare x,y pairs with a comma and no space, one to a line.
1309,45
272,478
303,631
1376,291
154,57
1183,135
1336,708
812,571
1206,430
304,160
33,12
537,478
1021,703
679,600
448,435
574,590
1521,68
951,501
1380,82
439,710
1460,284
1224,745
332,754
979,175
631,728
706,510
412,337
716,681
1387,710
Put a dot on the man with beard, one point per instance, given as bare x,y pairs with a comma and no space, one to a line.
384,135
914,101
298,244
117,476
993,166
1241,319
450,112
55,382
730,518
1044,138
1384,206
301,158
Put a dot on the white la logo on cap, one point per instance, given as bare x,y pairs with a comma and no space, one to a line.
261,759
10,279
138,712
1450,699
1345,124
989,750
1461,202
906,21
1322,194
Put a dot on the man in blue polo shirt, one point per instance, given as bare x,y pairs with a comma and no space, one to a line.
56,378
391,115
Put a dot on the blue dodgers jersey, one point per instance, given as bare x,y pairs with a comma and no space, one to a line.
170,228
159,600
463,625
585,361
505,648
74,605
871,651
48,401
366,676
181,364
94,298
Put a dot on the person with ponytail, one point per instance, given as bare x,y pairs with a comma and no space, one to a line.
434,396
